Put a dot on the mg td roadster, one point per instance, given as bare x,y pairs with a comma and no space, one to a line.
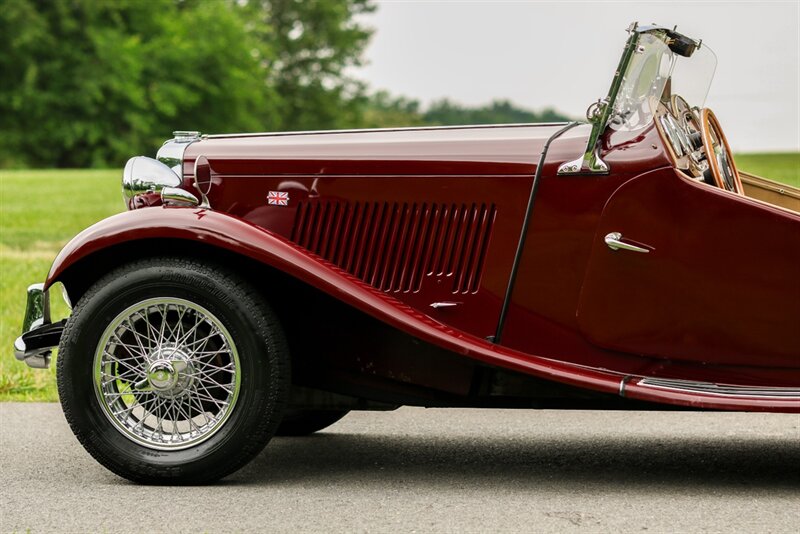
267,284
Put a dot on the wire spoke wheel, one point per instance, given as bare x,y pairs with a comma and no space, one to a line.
173,370
166,373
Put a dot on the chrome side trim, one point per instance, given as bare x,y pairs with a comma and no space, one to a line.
370,130
622,383
722,390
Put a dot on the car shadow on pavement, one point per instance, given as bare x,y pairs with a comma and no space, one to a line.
656,464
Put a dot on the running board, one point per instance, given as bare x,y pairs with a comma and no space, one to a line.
709,388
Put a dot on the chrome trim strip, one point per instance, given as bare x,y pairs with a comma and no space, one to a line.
622,383
721,390
370,130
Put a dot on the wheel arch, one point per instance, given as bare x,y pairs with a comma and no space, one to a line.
207,235
80,275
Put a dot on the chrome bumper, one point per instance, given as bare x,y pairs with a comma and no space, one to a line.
39,334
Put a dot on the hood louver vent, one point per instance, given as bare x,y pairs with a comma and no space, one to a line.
394,246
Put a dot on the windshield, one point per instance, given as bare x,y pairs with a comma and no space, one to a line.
652,67
692,76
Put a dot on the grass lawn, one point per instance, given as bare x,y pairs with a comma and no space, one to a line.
779,167
41,210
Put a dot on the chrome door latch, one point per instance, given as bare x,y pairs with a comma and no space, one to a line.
615,242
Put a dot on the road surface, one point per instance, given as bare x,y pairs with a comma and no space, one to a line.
417,470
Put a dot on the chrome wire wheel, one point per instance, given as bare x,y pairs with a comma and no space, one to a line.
166,373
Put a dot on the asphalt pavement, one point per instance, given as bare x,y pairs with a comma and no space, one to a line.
417,470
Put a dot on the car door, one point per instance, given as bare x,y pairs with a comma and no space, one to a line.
694,273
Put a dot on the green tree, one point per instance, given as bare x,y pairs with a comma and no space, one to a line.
497,112
382,110
315,43
92,82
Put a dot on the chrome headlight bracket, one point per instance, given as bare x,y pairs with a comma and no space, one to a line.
171,152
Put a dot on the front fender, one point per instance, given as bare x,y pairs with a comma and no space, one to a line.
202,226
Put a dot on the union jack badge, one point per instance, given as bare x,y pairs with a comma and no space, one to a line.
278,198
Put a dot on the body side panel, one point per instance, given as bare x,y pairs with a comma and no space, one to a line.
220,230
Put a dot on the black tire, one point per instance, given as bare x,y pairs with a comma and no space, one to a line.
305,422
263,358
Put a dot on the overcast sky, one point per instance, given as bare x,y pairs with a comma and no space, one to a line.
563,54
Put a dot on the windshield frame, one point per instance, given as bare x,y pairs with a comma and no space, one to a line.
601,113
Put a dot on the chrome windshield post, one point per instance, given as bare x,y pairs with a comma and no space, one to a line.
644,70
599,114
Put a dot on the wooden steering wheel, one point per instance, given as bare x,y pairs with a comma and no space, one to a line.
718,154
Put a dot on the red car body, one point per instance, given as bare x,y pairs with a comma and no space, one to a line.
405,270
267,284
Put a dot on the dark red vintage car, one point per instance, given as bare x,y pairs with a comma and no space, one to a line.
264,284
